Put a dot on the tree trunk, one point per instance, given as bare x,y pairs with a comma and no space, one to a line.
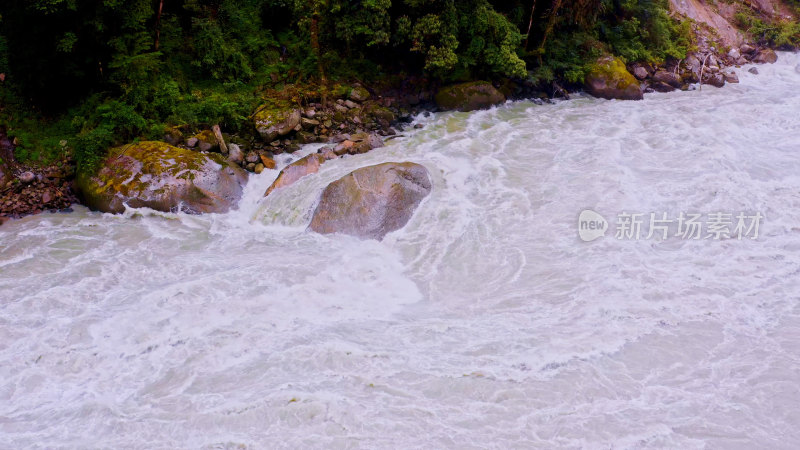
158,23
550,22
318,54
530,25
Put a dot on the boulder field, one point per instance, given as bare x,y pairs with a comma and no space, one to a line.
349,145
610,78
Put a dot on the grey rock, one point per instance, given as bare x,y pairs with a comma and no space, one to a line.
765,56
693,63
469,96
27,177
304,137
293,172
192,142
204,146
660,86
162,177
309,123
753,70
359,94
730,77
339,138
716,80
372,201
272,124
667,78
236,154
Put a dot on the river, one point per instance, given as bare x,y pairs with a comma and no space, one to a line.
484,323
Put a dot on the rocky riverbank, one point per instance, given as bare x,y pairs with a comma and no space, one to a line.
32,190
350,119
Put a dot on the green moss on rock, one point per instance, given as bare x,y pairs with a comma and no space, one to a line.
469,96
273,120
162,177
359,94
608,78
379,113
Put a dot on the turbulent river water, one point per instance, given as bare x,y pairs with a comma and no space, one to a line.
485,322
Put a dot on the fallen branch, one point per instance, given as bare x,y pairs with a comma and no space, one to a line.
702,69
220,139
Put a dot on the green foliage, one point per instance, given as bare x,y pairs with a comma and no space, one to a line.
567,57
460,36
646,32
635,30
367,21
781,33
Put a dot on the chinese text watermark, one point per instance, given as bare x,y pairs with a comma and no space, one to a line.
661,226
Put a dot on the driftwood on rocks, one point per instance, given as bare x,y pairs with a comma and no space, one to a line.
220,140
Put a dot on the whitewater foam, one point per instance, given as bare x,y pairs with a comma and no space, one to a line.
485,322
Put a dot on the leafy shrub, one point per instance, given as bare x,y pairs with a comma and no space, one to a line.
782,33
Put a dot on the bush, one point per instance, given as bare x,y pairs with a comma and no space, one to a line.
782,33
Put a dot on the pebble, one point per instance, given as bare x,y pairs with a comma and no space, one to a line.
27,177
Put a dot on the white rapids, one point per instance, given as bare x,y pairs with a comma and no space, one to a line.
484,323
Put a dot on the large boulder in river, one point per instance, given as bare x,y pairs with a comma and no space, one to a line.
766,56
162,177
372,201
608,78
272,122
469,96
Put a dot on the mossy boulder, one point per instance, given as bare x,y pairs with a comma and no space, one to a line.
272,122
359,94
173,136
608,78
372,201
206,141
379,113
162,177
469,96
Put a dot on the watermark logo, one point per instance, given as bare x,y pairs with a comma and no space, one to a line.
686,226
591,225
